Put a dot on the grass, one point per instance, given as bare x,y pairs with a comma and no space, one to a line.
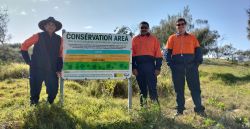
93,105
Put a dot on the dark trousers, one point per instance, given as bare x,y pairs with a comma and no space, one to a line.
37,76
189,72
147,80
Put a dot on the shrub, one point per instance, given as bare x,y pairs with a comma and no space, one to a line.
121,89
209,122
100,88
10,53
165,88
246,64
115,88
14,70
215,102
243,121
150,116
74,85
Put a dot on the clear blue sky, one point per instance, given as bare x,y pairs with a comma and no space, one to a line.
227,16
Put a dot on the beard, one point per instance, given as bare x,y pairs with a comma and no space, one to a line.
144,32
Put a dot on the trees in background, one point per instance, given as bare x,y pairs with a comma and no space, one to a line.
200,28
229,51
165,29
3,26
207,38
10,53
243,54
124,30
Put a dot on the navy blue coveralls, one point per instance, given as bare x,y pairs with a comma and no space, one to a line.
44,64
183,55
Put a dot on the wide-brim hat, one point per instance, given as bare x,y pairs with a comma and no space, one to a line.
42,23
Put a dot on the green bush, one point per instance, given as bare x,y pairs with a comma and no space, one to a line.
209,122
100,88
10,53
150,116
115,88
74,86
243,121
14,70
121,89
165,88
215,102
246,64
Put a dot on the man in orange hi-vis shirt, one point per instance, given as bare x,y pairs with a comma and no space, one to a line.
46,59
146,63
183,55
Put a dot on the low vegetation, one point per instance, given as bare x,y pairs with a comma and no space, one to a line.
103,104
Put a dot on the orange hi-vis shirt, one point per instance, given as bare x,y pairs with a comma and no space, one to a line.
146,45
182,44
33,40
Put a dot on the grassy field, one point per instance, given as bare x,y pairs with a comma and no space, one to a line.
92,105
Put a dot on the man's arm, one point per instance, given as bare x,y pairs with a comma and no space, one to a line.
158,56
198,52
25,46
60,58
168,56
169,50
198,55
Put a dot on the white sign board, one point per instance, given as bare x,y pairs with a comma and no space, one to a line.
96,56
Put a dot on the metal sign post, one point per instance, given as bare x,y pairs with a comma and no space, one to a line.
129,94
61,83
61,90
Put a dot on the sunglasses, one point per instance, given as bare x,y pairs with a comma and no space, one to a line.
144,27
181,24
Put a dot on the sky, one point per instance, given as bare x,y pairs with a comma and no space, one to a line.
228,17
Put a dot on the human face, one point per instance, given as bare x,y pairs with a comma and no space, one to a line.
50,27
143,29
181,27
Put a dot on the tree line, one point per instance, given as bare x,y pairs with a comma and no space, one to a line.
199,27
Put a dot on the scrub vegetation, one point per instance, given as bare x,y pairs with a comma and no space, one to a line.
102,104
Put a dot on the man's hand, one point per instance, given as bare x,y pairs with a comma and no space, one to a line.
157,72
135,72
59,74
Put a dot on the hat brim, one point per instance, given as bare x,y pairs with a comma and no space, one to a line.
44,22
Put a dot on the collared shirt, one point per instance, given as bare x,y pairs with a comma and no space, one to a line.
33,40
146,45
182,44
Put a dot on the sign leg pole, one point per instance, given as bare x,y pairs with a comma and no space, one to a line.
129,94
61,90
61,81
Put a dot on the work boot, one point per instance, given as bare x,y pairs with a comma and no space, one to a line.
33,103
178,113
201,113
